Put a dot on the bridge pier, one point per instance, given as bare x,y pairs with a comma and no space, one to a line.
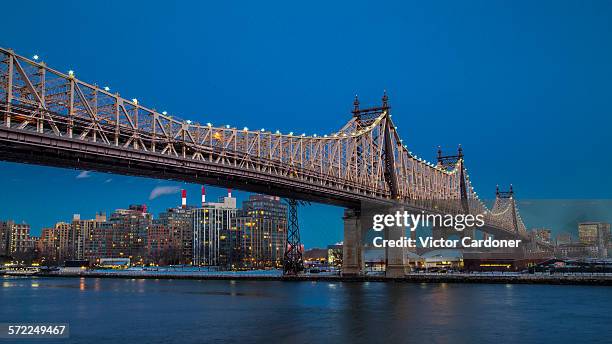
395,266
352,249
357,225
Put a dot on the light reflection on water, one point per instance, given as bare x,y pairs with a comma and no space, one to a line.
226,311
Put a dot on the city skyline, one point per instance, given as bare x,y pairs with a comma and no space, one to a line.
315,172
560,216
459,102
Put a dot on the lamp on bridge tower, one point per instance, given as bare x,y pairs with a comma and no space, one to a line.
356,106
385,100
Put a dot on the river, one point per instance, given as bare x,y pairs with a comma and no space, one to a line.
208,311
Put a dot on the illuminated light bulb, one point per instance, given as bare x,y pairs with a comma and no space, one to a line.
227,126
290,133
71,73
35,57
164,113
245,129
303,134
262,130
325,135
188,121
106,88
315,135
135,101
209,124
278,132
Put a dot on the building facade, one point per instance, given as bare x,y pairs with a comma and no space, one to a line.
15,240
57,244
596,234
84,231
5,237
177,225
124,235
263,224
216,239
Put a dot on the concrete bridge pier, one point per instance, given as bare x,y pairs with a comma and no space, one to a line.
395,255
445,233
352,249
468,233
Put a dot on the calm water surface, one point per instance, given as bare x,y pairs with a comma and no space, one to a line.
181,311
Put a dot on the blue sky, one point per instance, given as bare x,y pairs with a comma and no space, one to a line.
523,86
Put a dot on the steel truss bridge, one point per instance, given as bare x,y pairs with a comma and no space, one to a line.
52,118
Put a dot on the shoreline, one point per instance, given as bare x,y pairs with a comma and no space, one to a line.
593,280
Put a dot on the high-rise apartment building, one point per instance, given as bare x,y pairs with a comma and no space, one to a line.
263,222
177,224
84,231
58,243
125,234
596,234
20,238
162,248
216,239
5,237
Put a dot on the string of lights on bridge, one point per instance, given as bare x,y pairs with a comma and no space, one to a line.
71,74
351,130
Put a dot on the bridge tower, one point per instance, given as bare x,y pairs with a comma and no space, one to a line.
390,171
293,261
508,197
505,200
451,162
357,223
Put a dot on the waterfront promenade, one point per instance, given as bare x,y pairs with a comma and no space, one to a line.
276,275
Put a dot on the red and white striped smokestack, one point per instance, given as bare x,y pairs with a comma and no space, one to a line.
229,192
203,195
184,199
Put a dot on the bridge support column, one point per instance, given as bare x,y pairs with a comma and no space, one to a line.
395,255
352,252
444,233
468,233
